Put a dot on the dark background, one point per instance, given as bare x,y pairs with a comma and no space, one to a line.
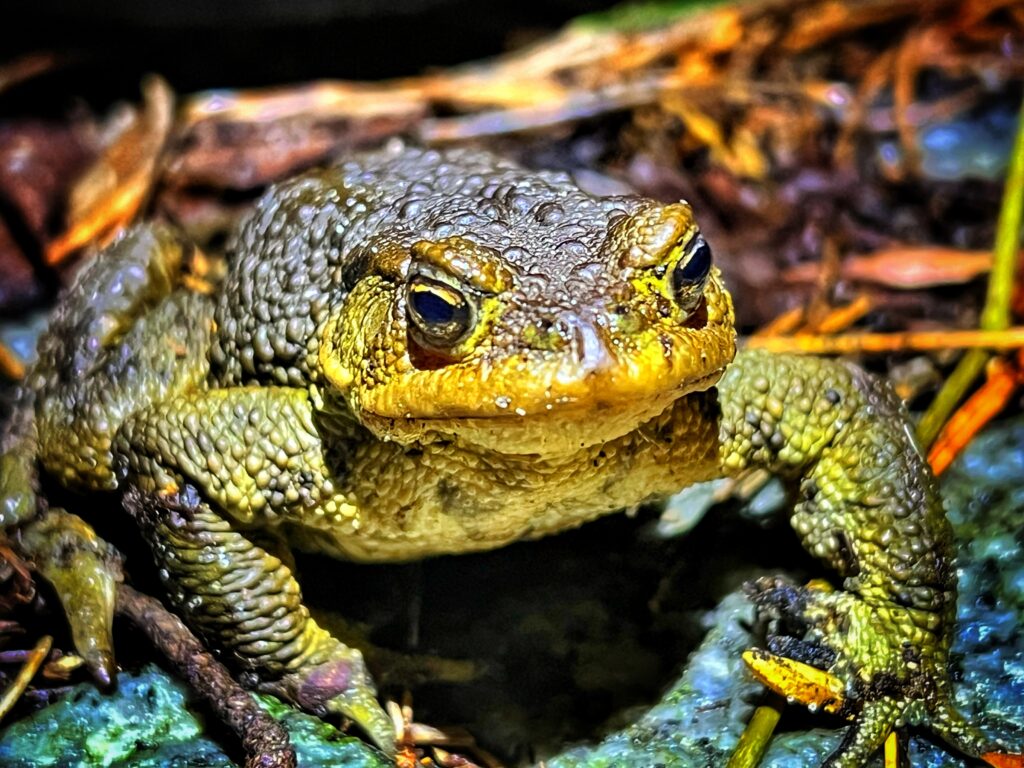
198,44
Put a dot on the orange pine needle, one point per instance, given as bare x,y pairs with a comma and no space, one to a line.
830,19
841,318
1003,760
785,323
861,343
10,365
1003,380
108,216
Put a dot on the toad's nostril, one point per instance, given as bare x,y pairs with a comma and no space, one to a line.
587,344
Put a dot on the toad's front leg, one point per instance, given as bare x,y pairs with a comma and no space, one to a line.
208,474
869,506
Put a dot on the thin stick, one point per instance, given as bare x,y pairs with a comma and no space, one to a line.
918,341
264,739
25,674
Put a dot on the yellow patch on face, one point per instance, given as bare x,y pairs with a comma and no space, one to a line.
665,236
635,379
334,370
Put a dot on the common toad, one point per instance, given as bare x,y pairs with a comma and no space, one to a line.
419,352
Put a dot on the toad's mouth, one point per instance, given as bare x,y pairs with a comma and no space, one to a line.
658,365
564,427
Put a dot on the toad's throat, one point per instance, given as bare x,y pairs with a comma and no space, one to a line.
462,498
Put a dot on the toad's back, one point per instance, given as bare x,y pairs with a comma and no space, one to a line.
312,238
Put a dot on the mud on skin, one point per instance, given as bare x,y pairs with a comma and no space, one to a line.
417,353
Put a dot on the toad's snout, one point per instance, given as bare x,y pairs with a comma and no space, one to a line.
583,342
588,347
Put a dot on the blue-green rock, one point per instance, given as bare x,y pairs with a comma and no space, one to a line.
152,722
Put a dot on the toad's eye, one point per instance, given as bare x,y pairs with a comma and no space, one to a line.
440,314
690,274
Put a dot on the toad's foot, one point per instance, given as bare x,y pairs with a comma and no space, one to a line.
84,571
340,686
882,666
243,598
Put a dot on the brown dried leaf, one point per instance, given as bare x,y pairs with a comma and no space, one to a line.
904,267
38,159
19,288
110,193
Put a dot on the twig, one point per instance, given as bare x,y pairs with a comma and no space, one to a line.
917,341
25,674
996,314
577,106
952,392
25,68
264,739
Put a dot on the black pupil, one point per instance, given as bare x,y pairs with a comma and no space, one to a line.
432,309
694,270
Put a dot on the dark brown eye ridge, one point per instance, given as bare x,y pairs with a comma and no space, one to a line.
439,313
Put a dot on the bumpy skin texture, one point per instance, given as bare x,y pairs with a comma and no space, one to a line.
418,353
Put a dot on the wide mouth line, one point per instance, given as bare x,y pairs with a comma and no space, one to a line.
581,407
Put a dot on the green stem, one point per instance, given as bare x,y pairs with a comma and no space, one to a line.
754,741
952,392
996,314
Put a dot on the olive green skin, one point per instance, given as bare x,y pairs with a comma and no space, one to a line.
292,407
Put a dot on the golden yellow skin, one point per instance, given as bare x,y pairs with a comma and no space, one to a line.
324,397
